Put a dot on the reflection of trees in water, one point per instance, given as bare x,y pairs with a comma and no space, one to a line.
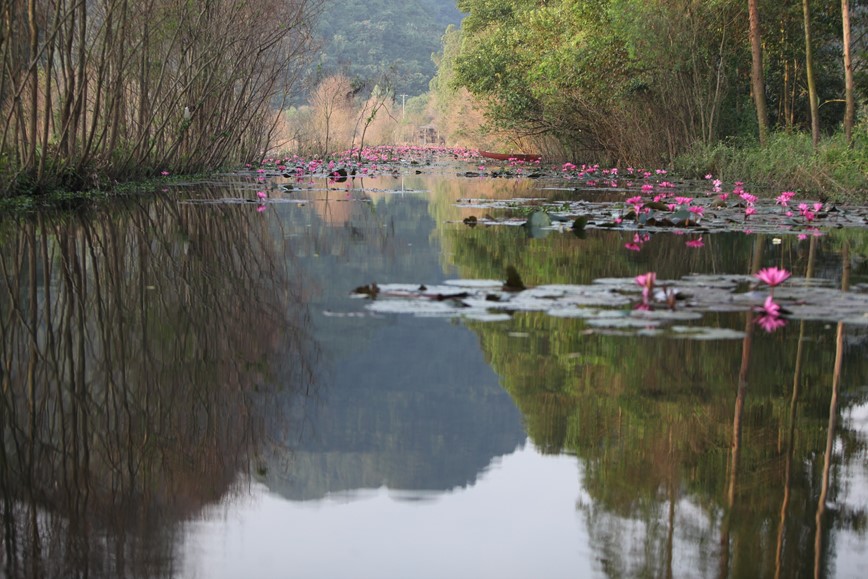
137,378
485,251
670,490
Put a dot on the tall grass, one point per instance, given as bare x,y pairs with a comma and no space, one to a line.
788,162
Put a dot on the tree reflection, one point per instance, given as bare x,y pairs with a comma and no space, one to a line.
738,417
830,431
147,356
683,474
791,423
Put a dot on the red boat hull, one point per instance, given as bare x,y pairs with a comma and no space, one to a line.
510,156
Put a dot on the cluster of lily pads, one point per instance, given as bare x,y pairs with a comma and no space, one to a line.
651,203
294,172
369,161
646,202
769,315
661,205
665,308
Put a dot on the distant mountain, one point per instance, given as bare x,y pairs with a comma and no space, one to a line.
370,38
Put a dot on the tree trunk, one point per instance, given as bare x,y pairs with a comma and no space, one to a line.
809,71
785,98
850,112
756,73
33,79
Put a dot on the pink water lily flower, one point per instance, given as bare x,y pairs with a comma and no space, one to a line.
784,198
748,198
770,308
770,323
772,276
646,279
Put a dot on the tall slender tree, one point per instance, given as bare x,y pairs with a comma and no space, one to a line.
850,112
809,72
756,72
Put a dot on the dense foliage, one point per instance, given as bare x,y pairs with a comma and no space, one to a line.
369,40
637,81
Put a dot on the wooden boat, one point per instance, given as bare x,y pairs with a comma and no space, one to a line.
527,158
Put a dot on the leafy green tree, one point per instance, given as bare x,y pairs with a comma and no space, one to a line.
629,81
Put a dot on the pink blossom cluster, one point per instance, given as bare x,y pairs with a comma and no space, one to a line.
695,243
639,239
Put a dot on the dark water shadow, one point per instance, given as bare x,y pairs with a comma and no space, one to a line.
150,354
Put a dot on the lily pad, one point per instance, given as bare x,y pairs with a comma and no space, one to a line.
610,303
710,213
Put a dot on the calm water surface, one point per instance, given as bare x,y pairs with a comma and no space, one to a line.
190,390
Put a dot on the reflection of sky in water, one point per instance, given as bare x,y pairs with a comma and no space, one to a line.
518,520
358,507
852,552
408,459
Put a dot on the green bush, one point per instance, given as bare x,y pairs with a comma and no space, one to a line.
834,171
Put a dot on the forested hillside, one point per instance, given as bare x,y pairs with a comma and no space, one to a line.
368,39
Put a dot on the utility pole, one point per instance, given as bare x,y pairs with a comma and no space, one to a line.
403,126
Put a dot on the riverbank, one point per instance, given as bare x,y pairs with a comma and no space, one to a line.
834,172
62,200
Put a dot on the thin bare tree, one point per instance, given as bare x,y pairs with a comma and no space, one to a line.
114,89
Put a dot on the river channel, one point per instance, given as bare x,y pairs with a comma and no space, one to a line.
192,387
